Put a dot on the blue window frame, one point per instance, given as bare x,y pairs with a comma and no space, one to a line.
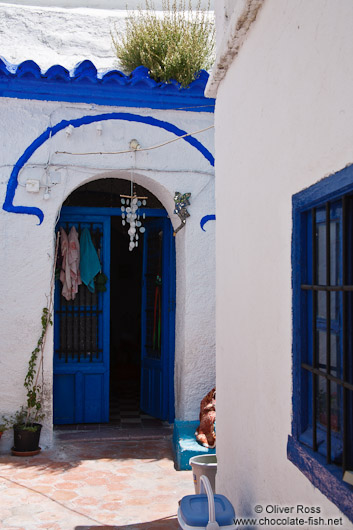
321,444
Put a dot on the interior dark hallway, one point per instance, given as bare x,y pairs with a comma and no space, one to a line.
125,326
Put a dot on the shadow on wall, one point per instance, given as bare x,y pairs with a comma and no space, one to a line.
167,523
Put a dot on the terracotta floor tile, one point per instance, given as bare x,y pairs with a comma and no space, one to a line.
64,495
130,484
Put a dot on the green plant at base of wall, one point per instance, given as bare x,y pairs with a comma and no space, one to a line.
30,414
176,45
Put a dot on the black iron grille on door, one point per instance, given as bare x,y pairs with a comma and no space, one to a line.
327,345
80,320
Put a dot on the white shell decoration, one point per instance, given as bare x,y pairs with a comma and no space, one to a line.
131,216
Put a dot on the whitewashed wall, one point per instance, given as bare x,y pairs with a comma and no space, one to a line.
64,32
284,118
26,249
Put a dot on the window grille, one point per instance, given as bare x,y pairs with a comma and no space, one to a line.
327,330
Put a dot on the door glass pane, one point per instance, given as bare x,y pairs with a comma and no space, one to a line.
154,286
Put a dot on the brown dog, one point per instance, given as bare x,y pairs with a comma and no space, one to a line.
205,433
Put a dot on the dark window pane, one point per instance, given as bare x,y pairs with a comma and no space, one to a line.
334,252
321,304
336,364
336,407
321,349
321,253
335,300
321,402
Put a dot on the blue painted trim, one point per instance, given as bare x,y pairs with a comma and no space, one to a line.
143,322
205,220
296,304
106,321
326,189
325,478
328,479
171,324
96,210
167,234
167,321
8,205
85,85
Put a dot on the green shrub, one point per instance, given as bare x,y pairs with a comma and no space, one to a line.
176,45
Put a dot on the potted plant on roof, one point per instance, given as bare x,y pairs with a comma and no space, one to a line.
26,421
174,46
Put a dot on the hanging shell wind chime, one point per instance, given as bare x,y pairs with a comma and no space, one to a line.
130,205
130,213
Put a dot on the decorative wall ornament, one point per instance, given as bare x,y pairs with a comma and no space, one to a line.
181,202
130,205
130,214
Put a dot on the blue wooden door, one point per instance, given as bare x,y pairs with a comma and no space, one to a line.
157,328
81,337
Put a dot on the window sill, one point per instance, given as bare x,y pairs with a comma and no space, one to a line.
326,478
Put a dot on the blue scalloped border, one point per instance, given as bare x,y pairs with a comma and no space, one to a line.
84,84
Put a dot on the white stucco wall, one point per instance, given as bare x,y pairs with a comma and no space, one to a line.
59,35
26,249
64,32
283,121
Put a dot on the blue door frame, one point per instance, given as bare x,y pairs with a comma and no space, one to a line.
76,386
158,305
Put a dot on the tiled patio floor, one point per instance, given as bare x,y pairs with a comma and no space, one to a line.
96,482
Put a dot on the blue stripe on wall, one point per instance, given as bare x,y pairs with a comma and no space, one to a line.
8,205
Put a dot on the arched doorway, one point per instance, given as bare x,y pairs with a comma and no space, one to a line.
114,348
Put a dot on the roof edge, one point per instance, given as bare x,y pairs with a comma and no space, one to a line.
84,84
235,35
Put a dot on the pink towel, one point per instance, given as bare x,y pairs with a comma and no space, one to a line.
70,273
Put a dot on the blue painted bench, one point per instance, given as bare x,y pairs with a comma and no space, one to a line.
185,445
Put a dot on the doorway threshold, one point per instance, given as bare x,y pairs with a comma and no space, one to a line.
95,432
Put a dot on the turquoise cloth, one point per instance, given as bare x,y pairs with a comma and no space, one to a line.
89,263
